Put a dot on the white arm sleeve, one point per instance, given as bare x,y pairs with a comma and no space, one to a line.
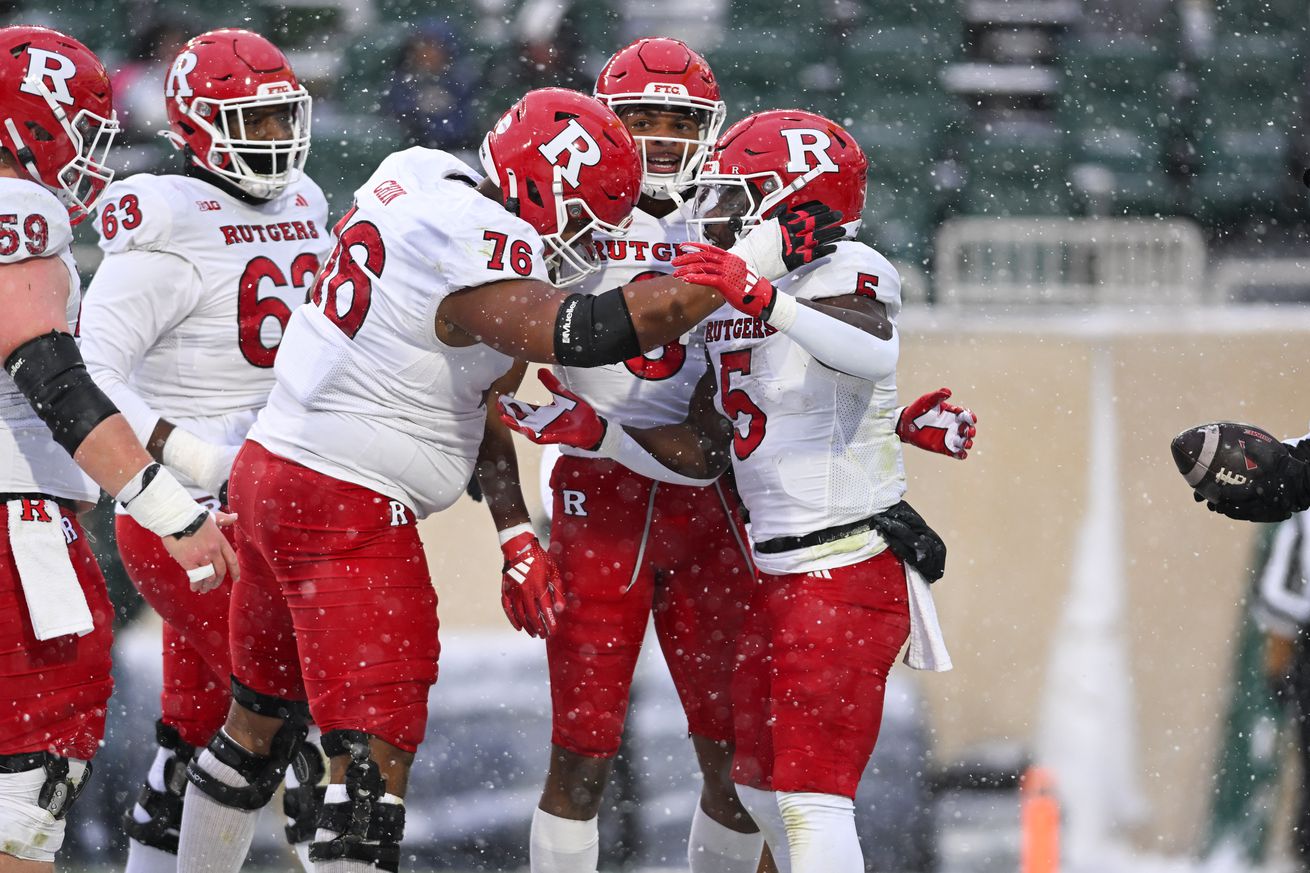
135,298
835,343
1282,604
619,445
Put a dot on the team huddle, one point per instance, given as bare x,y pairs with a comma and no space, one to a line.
275,399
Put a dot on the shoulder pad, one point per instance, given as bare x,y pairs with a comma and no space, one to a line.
33,223
854,268
137,214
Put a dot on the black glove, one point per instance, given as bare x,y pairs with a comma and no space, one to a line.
1282,488
809,232
911,540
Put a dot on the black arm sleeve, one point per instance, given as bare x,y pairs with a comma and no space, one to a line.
593,330
49,371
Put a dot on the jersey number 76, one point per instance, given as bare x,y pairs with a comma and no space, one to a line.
345,280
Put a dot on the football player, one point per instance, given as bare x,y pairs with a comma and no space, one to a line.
56,126
180,327
439,279
628,547
800,397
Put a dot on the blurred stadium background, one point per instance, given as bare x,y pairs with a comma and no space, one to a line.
1098,211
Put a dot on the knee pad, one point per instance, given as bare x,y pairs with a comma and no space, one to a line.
367,829
36,791
301,802
263,774
163,808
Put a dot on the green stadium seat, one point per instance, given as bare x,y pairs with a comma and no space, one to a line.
1261,16
1244,174
1013,169
367,68
896,60
345,154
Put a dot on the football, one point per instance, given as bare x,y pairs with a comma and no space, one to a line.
1212,458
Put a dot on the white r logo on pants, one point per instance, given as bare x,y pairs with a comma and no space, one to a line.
398,516
573,502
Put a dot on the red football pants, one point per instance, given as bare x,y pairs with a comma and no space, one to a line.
335,604
812,674
53,694
197,664
628,547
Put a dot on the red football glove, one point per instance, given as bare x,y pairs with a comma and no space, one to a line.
703,264
567,420
809,232
934,425
529,586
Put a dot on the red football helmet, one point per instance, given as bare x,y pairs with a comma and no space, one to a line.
665,73
783,157
215,90
566,165
58,114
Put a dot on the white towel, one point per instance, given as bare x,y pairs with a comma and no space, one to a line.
55,601
927,648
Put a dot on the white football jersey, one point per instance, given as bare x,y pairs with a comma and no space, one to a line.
366,392
654,388
34,224
184,316
812,448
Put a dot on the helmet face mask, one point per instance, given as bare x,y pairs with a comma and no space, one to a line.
252,128
727,205
59,122
663,75
693,150
83,178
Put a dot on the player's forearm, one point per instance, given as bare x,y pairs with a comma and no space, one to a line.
498,476
111,454
664,309
143,420
673,453
834,341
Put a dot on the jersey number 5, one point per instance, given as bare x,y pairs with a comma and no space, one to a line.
346,280
736,402
252,311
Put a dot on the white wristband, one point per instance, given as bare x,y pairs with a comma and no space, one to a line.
161,505
203,462
510,532
783,315
619,445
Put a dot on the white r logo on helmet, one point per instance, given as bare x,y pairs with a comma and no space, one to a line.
583,150
177,84
806,141
52,70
